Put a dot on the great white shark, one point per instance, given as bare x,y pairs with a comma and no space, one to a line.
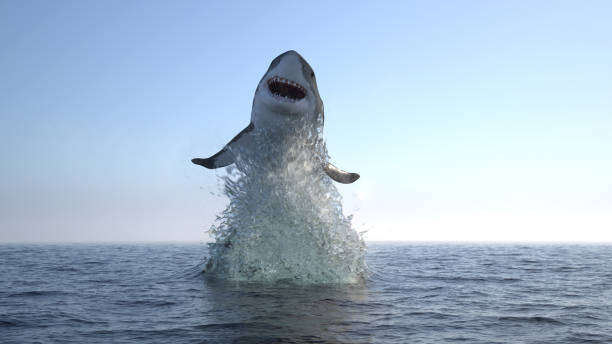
288,90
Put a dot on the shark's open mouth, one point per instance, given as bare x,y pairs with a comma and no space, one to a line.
286,88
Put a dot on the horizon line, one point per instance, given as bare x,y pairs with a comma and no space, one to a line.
426,242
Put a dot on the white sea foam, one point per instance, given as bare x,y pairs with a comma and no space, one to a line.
284,220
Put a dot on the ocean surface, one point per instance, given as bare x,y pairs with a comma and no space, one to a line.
416,293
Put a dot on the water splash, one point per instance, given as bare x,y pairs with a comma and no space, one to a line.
284,220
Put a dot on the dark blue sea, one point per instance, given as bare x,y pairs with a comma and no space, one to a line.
416,293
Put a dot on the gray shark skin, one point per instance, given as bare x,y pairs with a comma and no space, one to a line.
288,89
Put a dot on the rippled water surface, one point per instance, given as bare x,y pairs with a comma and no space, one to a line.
416,293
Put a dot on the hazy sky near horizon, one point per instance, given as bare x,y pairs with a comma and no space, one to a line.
473,120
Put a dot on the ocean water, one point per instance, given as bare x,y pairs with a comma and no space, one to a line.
415,293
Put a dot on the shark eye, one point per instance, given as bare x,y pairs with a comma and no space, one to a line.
312,74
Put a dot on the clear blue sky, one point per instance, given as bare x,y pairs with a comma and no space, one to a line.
473,120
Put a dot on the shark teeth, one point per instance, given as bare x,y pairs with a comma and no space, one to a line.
286,89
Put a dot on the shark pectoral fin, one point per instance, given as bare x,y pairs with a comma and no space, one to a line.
340,176
225,156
